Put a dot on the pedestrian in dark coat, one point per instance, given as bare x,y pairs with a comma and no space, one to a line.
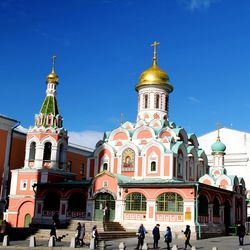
141,236
156,235
168,237
187,234
53,230
241,231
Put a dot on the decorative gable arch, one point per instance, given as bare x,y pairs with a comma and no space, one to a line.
224,182
119,134
192,139
207,179
143,132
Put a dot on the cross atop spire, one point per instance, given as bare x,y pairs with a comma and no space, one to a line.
218,125
53,63
154,45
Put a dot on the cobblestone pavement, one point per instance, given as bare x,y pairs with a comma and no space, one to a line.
222,243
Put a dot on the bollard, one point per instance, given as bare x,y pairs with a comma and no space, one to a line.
73,243
32,241
122,246
6,241
52,241
215,248
102,245
92,243
145,246
193,248
175,247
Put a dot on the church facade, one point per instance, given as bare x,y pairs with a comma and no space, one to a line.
151,171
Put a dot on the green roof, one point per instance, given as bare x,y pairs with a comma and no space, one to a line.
50,106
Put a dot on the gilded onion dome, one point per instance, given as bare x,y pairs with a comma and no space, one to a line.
154,75
53,77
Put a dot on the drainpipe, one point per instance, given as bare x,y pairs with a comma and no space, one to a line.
196,210
6,171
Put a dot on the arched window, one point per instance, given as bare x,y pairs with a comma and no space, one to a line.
145,101
135,202
180,164
191,167
216,208
170,202
153,166
157,101
203,205
166,103
105,166
61,157
32,151
47,151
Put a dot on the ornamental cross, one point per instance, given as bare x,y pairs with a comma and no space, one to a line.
218,125
122,118
154,45
53,63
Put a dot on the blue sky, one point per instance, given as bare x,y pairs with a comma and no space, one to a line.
102,46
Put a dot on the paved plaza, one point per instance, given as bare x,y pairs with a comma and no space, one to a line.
222,243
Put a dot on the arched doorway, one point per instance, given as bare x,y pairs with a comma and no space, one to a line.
51,203
102,200
77,205
27,220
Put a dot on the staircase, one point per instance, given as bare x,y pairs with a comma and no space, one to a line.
107,231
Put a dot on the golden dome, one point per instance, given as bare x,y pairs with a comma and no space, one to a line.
53,77
154,76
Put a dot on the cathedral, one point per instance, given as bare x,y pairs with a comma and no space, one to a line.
151,171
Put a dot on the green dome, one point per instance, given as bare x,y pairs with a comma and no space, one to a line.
218,147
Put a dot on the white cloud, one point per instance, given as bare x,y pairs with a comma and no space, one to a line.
87,138
198,4
193,100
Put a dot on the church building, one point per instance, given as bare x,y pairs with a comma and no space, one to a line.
150,171
153,171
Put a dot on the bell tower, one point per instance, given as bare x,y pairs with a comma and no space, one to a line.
153,92
47,140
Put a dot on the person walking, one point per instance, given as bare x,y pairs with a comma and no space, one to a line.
82,234
241,231
95,236
78,232
168,237
187,234
156,235
141,236
53,230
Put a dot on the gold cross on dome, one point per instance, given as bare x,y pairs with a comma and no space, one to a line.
53,63
154,45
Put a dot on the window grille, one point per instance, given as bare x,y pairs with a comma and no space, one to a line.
170,202
136,202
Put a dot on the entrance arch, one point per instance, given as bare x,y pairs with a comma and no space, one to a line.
77,205
27,220
51,203
102,200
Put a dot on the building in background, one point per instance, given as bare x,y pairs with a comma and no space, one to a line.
53,178
237,154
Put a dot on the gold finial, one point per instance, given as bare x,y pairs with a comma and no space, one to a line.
154,45
53,63
218,125
122,118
